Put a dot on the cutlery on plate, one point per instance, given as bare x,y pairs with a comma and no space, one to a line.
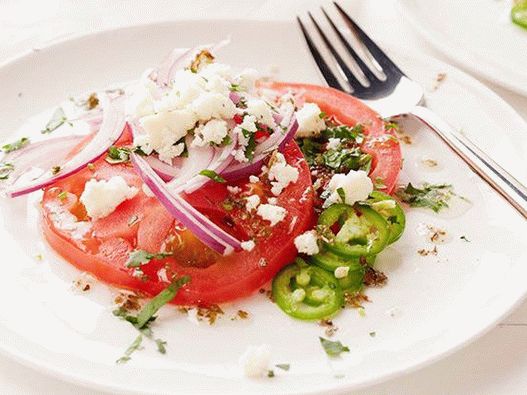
395,94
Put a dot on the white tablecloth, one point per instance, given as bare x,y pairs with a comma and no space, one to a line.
495,364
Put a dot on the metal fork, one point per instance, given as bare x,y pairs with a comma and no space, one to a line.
397,95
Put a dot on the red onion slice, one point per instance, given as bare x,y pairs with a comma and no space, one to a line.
112,127
202,227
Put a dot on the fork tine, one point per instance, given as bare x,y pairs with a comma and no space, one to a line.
352,80
372,78
378,54
322,65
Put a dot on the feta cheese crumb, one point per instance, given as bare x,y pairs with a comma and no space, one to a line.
213,132
356,186
252,202
253,179
271,213
333,143
213,105
248,245
102,197
261,111
306,243
233,190
255,361
341,271
281,174
272,200
309,121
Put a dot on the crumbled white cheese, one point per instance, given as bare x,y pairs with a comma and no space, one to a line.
306,243
247,245
213,132
247,79
252,202
309,121
165,129
102,197
162,275
261,111
271,213
140,100
341,271
167,153
281,174
255,361
213,105
272,200
356,186
234,190
253,179
333,143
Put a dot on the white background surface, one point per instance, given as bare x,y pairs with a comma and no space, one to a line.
495,364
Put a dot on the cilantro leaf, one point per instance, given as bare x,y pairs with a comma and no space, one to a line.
15,145
5,170
344,132
57,120
432,196
161,346
117,155
333,348
283,366
251,144
136,345
151,308
141,257
212,175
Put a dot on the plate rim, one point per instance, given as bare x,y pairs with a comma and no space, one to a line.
462,58
344,387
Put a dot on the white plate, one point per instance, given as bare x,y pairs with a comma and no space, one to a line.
480,36
431,306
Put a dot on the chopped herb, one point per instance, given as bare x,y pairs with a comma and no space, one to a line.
465,239
147,312
55,170
212,175
133,220
141,257
16,145
161,346
63,195
373,334
432,196
235,88
322,115
341,194
343,160
251,144
270,373
228,205
118,155
226,141
136,345
333,348
344,132
57,120
283,366
5,170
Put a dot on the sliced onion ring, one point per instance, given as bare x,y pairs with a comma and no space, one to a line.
202,227
112,127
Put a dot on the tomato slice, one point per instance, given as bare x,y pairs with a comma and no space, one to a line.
102,247
385,150
143,223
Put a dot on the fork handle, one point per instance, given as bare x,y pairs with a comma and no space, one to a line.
499,179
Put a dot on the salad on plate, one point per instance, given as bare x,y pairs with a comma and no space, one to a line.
199,184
